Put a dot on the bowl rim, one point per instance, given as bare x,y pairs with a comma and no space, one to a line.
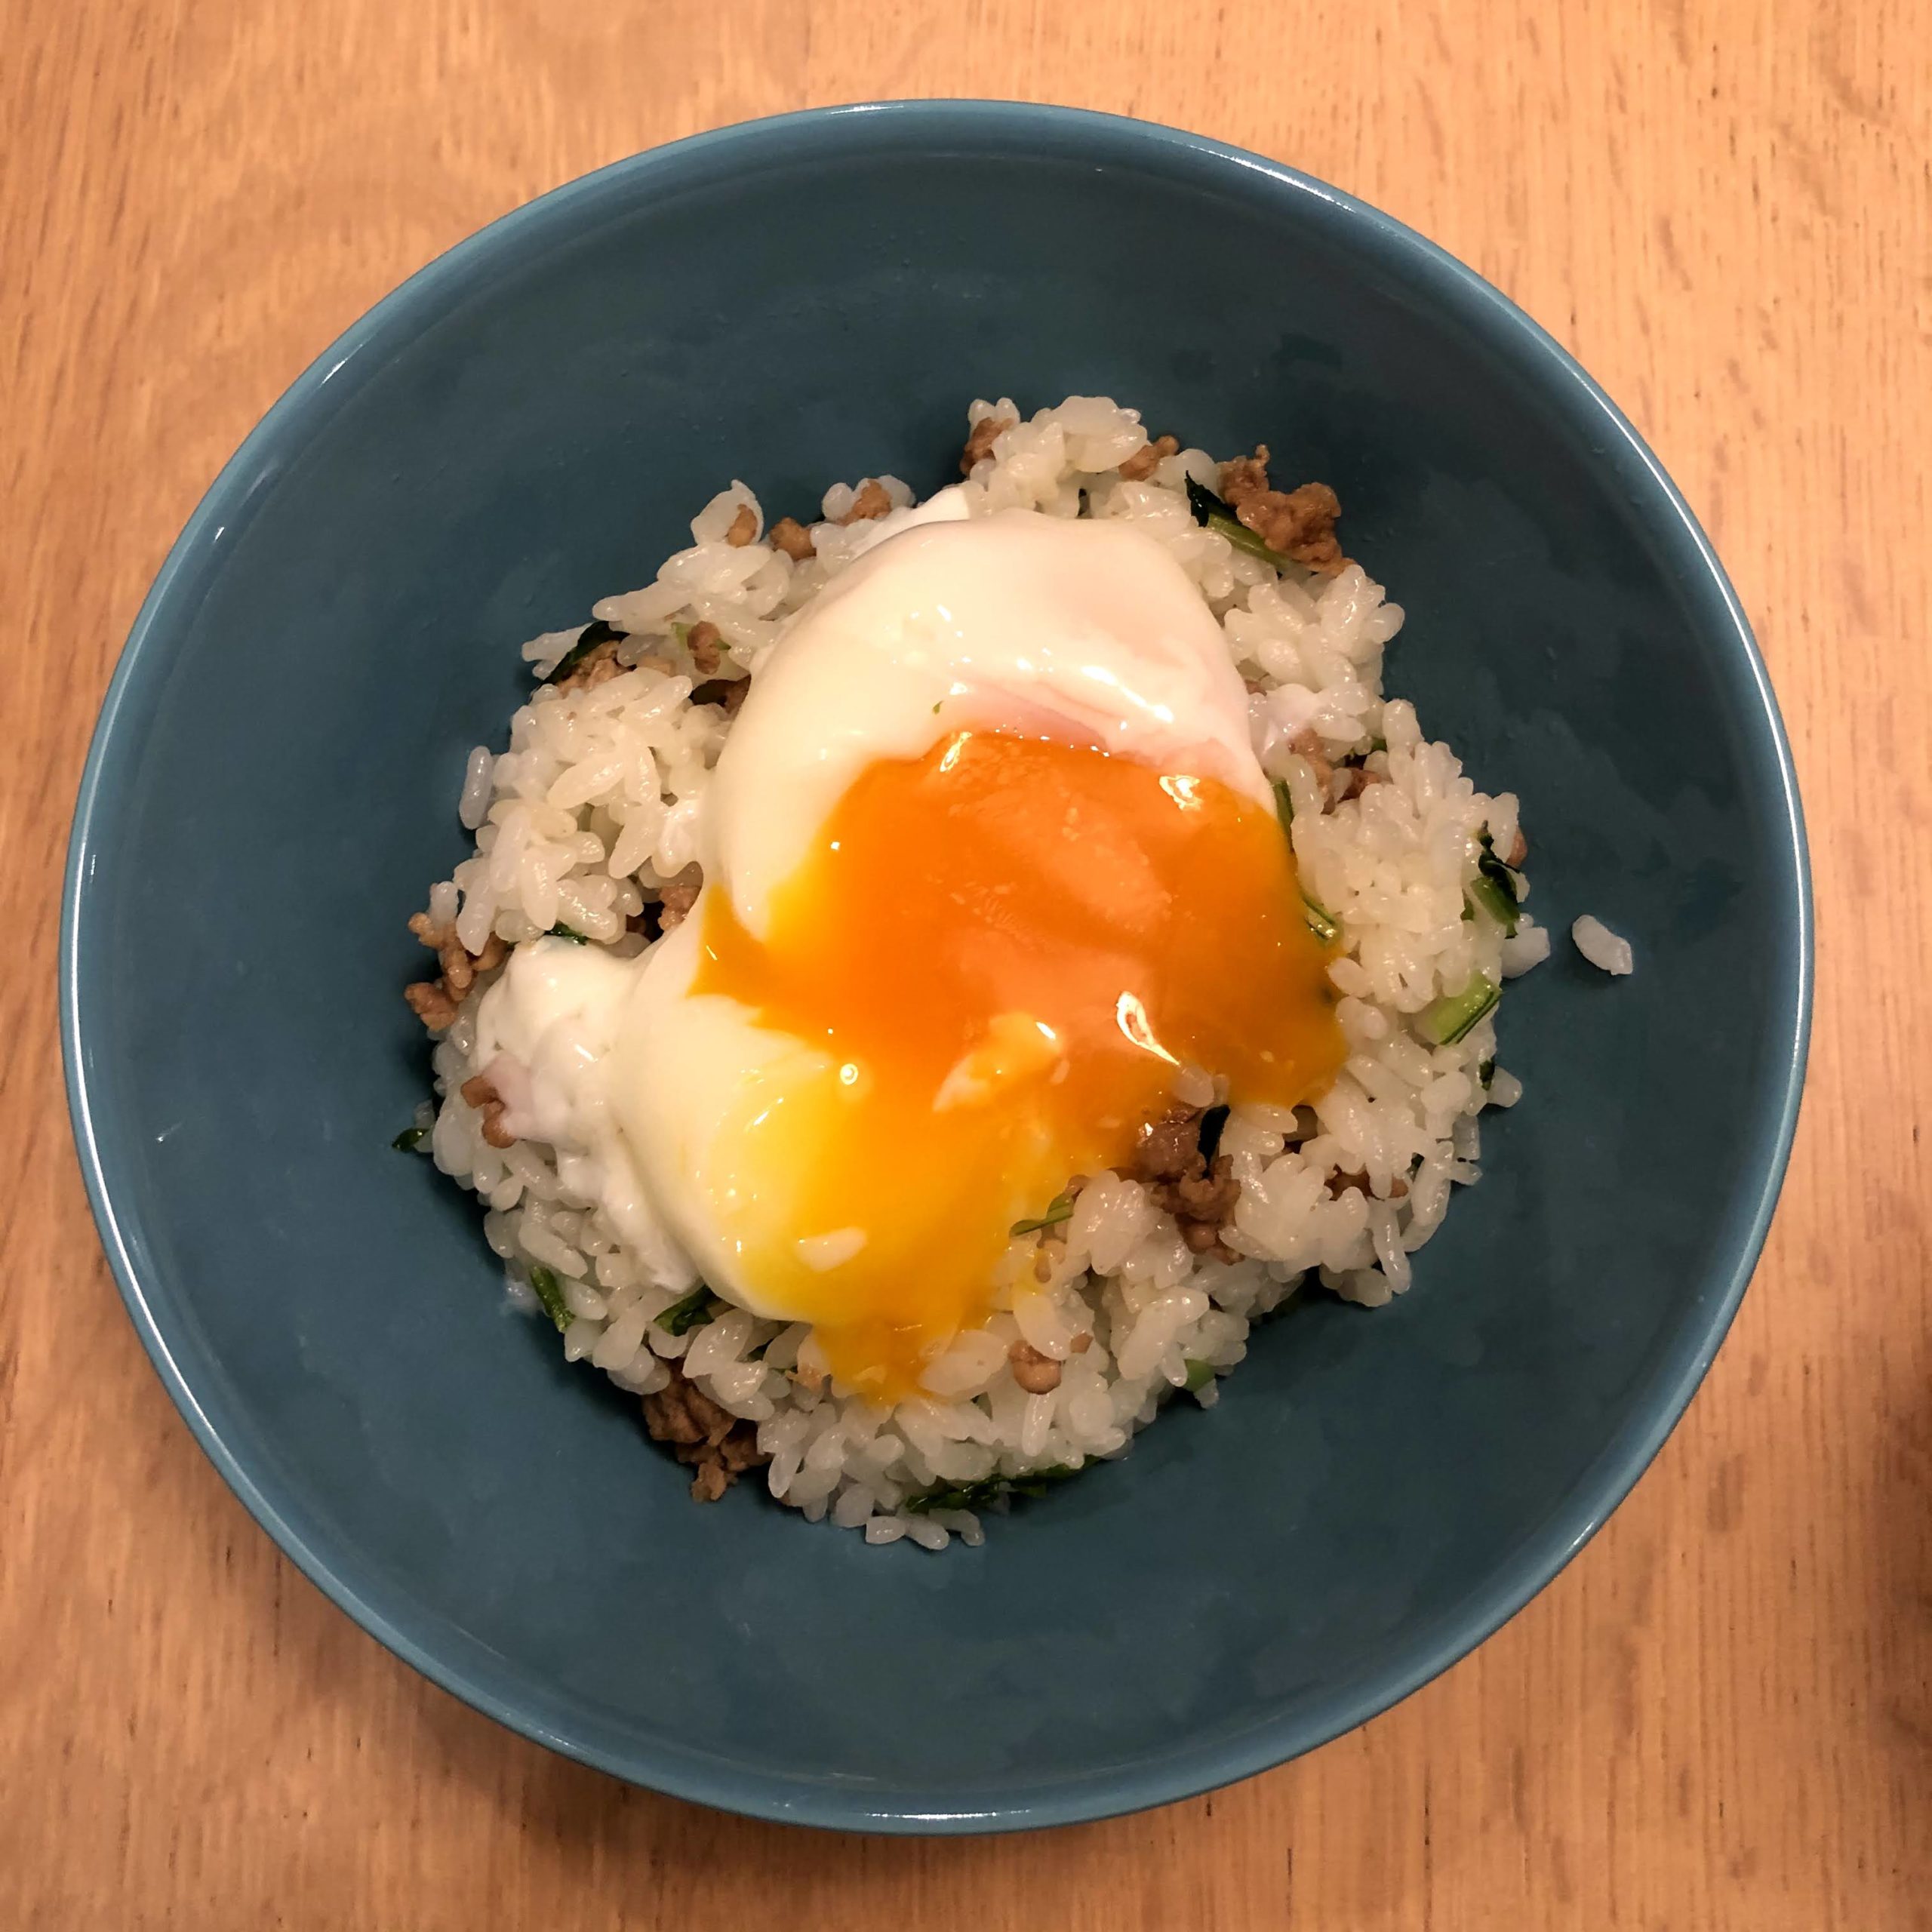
176,1351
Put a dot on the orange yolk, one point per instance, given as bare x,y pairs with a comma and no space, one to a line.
1007,948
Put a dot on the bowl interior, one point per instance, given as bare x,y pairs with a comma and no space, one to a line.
529,425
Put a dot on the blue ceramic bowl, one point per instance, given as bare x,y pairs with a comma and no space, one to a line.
526,425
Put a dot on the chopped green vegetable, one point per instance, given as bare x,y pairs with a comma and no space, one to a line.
936,707
1058,1209
593,634
956,1496
411,1140
1036,1482
1494,888
1323,925
1377,744
1199,1374
550,1291
1486,1073
686,1313
1494,899
1285,806
989,1489
1242,538
682,632
570,933
1450,1018
1209,509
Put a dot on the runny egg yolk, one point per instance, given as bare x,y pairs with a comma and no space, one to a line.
1007,948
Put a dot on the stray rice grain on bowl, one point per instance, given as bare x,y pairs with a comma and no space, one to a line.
929,980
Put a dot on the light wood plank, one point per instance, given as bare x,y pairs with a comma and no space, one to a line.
1721,1715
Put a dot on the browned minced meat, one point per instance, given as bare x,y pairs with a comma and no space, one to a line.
1244,476
981,438
710,1441
434,1002
1305,744
1356,779
1341,1180
1038,1374
431,1004
658,916
1168,1160
792,536
599,666
1208,1196
680,895
1168,1147
481,1095
871,501
744,528
704,642
728,693
1299,523
1518,852
1141,464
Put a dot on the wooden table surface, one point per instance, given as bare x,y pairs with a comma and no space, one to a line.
1720,1716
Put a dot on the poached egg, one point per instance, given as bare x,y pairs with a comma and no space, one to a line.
988,858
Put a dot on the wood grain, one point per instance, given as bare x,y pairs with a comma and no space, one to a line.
1722,1715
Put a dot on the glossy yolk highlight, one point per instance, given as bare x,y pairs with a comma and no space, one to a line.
1006,947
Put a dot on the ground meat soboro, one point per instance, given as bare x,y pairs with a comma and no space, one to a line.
1038,1374
789,535
481,1092
1143,462
729,693
1200,1195
434,1002
710,1441
1299,523
705,643
597,666
981,440
871,501
680,895
1343,1179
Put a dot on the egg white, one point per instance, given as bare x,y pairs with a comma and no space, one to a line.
1087,631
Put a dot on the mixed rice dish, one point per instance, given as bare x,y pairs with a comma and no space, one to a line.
929,980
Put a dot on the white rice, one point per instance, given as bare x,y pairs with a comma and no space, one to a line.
594,807
1600,946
